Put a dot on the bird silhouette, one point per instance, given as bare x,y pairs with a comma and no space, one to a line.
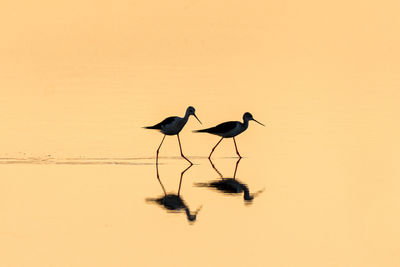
230,129
174,202
230,185
172,126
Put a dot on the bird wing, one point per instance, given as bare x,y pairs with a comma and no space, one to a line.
164,122
221,128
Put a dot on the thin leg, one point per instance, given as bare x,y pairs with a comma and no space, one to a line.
180,147
158,151
212,151
159,180
215,168
180,181
237,164
237,152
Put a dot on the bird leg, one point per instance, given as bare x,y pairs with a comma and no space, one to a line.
215,168
237,152
212,151
159,180
180,147
237,164
158,151
180,181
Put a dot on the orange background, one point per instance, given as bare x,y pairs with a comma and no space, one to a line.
80,78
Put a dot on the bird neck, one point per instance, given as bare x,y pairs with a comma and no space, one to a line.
189,216
184,120
186,117
245,123
246,194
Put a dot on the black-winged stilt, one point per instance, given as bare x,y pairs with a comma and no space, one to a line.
173,126
230,129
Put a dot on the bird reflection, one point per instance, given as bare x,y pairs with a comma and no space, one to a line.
174,202
230,185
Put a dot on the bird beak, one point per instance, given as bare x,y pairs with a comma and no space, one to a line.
197,211
197,118
259,122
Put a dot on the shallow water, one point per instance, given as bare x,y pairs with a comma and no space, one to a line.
80,212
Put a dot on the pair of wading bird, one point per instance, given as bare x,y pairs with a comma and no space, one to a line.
173,126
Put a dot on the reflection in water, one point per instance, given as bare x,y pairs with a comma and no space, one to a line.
230,185
174,202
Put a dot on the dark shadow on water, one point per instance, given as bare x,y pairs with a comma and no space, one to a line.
174,202
230,186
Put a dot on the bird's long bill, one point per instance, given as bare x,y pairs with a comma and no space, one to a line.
259,122
197,118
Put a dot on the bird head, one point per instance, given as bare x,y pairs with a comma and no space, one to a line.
192,217
191,111
249,197
248,117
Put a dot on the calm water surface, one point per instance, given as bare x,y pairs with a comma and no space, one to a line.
323,174
96,212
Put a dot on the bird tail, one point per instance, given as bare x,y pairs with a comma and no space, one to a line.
149,200
151,127
202,184
201,131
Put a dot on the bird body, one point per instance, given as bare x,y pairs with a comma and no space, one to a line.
226,185
227,129
229,186
174,203
171,125
171,202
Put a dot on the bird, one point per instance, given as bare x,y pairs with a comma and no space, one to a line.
174,202
230,129
172,126
230,185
